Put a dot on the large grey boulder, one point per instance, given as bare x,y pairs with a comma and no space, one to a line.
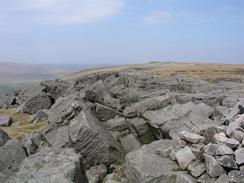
3,137
145,165
178,117
52,166
227,161
56,88
5,121
239,155
11,155
36,103
129,143
32,142
87,135
98,93
191,137
153,103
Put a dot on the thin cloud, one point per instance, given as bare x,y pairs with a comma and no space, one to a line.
60,11
158,17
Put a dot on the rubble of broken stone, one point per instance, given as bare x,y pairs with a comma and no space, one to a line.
130,127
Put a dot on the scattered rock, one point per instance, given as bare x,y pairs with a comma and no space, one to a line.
184,178
184,157
212,167
238,135
220,138
129,143
32,142
236,176
232,143
222,179
227,162
191,137
239,155
39,116
210,149
3,137
5,121
7,101
206,179
196,169
96,174
224,150
104,113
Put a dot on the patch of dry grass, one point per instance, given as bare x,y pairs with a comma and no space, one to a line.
204,71
21,124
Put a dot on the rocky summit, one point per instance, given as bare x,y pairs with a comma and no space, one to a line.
126,126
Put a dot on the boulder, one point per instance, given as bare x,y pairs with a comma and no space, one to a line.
239,155
56,88
236,176
142,129
212,167
196,169
117,124
205,178
50,165
176,118
238,135
87,135
32,142
64,109
96,174
210,149
145,165
223,179
3,137
227,162
11,155
224,150
184,157
183,177
39,116
232,143
129,143
154,103
191,137
104,113
220,138
5,121
36,103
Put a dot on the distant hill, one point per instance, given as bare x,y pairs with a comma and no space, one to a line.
21,75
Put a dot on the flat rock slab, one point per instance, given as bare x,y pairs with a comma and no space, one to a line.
145,165
191,137
50,165
224,150
184,157
178,117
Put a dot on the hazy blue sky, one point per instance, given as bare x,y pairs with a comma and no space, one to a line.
121,31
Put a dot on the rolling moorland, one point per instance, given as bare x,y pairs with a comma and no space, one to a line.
157,122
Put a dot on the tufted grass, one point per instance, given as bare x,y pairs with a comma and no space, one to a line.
21,124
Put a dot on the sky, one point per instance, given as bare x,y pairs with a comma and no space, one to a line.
95,32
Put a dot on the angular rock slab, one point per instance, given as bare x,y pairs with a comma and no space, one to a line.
36,103
86,134
212,167
52,166
144,165
11,155
3,137
5,121
184,157
191,137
